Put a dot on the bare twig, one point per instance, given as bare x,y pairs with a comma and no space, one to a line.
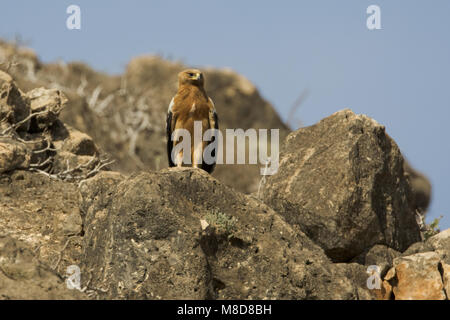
51,176
104,103
70,174
30,71
61,252
18,124
102,163
295,106
47,148
82,86
123,87
41,164
94,97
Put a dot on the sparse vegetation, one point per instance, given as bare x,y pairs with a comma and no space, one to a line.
222,222
432,228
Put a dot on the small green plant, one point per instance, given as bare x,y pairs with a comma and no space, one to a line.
221,222
432,228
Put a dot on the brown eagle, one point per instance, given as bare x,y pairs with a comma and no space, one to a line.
189,105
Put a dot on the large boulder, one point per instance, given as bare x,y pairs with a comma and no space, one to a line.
342,182
181,234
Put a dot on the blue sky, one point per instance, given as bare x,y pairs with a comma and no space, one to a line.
399,75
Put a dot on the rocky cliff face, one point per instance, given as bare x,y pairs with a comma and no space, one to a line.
340,204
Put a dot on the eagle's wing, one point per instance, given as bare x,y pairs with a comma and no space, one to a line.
213,124
170,125
213,120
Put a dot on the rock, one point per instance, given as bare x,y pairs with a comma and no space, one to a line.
49,102
385,293
417,247
13,155
5,78
97,192
417,277
357,276
72,224
440,241
14,105
379,255
23,277
66,161
74,150
342,182
143,240
204,224
75,142
446,278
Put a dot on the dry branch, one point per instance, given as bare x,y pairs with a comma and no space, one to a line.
18,124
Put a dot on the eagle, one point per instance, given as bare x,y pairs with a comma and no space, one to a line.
191,104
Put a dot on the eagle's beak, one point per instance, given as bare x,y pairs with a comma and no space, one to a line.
198,76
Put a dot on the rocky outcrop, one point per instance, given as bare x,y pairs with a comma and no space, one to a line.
343,201
32,137
342,182
181,234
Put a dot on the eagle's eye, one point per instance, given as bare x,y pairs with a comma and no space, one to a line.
190,74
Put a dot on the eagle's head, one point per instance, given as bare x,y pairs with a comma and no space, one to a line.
191,76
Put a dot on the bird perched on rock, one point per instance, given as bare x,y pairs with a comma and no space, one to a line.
191,105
